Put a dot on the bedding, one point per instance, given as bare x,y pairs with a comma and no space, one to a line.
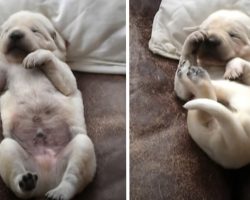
94,30
174,21
165,162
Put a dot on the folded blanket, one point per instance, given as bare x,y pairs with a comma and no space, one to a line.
174,18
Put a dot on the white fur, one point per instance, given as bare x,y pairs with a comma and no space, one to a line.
222,131
42,77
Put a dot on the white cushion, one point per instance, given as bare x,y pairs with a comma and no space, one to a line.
168,32
95,30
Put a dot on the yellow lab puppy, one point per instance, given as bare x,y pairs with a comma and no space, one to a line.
219,116
46,150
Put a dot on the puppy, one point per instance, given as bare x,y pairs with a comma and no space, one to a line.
219,116
45,150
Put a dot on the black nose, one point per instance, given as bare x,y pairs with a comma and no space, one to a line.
16,35
213,41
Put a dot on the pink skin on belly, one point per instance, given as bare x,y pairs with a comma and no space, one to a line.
39,125
46,160
42,135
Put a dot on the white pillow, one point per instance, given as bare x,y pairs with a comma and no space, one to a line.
173,17
95,30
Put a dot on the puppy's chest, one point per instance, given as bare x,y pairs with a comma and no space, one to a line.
19,77
39,122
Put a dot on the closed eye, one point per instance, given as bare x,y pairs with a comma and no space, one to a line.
34,30
234,35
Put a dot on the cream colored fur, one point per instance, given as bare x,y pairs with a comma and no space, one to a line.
33,73
219,115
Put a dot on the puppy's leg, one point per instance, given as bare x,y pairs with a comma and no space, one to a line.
180,89
57,71
80,168
199,84
15,169
238,68
191,45
77,121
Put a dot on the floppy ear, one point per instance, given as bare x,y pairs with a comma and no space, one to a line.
60,52
60,42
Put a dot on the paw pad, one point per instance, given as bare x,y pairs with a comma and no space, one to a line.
195,73
28,181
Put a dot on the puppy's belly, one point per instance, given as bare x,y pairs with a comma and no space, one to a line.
42,131
37,140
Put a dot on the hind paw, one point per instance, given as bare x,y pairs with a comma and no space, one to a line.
59,193
183,67
28,181
196,74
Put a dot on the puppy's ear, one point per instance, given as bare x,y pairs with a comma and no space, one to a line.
60,42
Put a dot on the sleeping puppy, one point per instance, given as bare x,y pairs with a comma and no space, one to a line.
45,150
219,116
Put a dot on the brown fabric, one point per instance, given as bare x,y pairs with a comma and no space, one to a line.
165,162
104,101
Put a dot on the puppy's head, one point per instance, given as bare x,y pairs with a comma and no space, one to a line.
25,32
227,36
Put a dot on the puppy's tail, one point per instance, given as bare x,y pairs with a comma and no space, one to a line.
226,119
215,109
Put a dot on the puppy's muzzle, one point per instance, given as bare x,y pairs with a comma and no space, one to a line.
212,41
17,43
16,36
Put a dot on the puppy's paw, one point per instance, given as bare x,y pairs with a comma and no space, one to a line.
183,67
193,42
56,194
234,69
196,74
27,181
37,58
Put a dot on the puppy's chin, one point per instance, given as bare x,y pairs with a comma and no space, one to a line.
210,57
17,52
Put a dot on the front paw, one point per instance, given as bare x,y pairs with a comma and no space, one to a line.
37,58
234,69
193,42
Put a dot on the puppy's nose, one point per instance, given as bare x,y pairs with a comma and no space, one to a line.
16,35
213,41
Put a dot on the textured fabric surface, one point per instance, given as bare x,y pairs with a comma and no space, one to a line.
165,162
95,30
104,101
170,21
